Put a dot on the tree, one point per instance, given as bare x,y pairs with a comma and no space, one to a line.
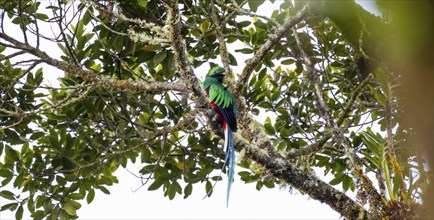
319,89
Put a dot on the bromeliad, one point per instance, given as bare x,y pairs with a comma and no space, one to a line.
225,106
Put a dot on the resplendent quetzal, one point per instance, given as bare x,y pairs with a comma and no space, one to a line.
225,105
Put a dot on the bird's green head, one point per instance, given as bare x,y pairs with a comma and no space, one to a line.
217,72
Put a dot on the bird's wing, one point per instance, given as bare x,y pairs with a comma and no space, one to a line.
226,103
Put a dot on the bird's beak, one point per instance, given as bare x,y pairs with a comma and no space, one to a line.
223,73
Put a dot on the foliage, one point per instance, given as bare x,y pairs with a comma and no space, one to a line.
124,95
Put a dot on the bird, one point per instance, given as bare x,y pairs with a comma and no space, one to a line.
225,106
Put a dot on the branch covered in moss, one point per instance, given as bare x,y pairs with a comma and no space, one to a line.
180,51
126,85
305,182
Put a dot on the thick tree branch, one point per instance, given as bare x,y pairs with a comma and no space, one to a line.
180,51
252,138
305,182
90,76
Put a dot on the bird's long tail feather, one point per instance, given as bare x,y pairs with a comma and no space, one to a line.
230,156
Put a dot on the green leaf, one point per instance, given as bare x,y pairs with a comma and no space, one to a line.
346,182
286,132
259,185
373,143
171,192
338,179
275,95
76,204
159,57
387,178
31,205
244,173
204,26
11,153
90,196
262,74
7,195
80,29
40,200
55,213
76,196
83,40
103,189
245,51
19,213
269,129
188,190
70,208
142,3
373,160
10,206
232,60
155,185
381,98
299,68
288,61
282,146
39,214
63,215
254,4
36,135
208,188
269,184
397,184
382,78
118,43
195,33
42,16
53,139
2,48
244,24
87,17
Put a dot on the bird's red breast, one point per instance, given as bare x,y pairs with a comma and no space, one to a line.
217,110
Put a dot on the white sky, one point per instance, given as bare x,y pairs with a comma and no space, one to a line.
245,201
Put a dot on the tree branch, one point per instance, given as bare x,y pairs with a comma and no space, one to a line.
87,75
305,182
180,51
239,10
273,39
312,148
224,54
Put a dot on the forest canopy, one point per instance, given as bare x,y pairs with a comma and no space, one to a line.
319,84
